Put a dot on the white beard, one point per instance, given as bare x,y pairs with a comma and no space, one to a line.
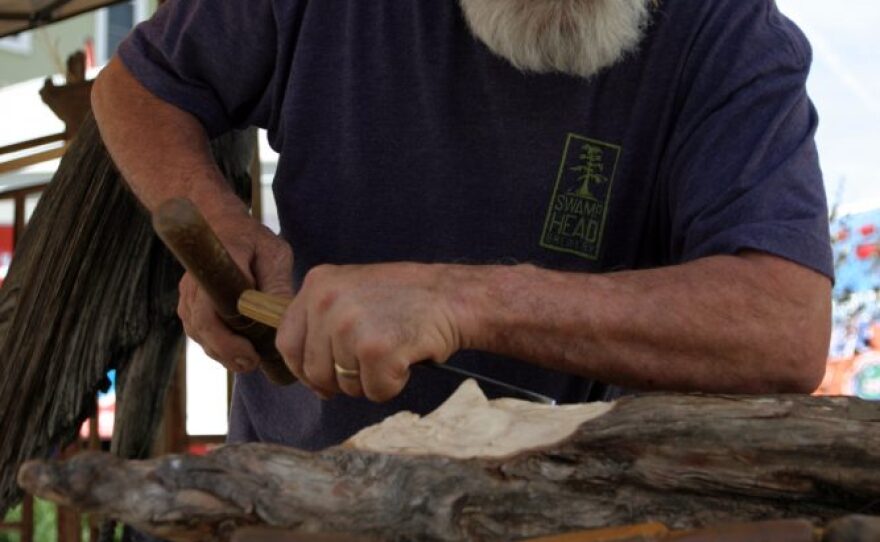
577,37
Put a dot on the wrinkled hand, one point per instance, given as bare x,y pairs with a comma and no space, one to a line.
376,320
265,259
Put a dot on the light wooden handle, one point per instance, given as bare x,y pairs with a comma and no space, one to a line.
263,308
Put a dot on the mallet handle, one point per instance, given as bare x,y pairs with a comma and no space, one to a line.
195,245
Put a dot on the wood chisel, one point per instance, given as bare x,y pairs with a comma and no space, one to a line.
253,314
268,309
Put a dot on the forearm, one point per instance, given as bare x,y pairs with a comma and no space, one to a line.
161,151
750,323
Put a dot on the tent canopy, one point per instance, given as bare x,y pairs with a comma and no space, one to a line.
19,15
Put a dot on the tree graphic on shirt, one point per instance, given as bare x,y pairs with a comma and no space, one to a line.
590,171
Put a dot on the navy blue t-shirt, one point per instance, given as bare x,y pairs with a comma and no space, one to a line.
403,138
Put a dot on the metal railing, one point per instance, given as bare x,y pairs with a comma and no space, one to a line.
36,157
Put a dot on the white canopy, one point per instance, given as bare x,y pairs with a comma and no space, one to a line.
19,15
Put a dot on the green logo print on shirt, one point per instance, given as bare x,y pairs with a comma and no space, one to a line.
576,218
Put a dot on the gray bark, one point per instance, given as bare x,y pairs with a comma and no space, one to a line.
686,461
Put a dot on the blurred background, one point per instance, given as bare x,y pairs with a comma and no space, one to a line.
844,84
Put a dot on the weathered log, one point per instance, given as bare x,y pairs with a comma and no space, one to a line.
685,461
853,529
90,288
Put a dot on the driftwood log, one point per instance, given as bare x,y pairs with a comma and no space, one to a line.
90,288
686,461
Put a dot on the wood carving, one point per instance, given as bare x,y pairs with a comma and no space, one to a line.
90,288
686,461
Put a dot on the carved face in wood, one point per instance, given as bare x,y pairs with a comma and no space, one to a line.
578,37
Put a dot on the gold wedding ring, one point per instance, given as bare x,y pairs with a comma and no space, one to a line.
346,373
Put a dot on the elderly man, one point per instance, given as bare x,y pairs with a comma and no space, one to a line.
571,196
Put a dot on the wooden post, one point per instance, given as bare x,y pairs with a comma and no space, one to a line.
25,525
94,442
69,519
69,529
18,222
256,173
173,437
27,519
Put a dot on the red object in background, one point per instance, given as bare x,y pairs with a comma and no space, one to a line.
106,418
868,229
843,235
202,448
5,250
198,448
89,48
865,251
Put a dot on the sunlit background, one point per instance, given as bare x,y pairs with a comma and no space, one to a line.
845,85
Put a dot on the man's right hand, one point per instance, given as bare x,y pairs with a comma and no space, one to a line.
265,259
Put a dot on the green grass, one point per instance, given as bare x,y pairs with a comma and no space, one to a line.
45,524
11,516
14,514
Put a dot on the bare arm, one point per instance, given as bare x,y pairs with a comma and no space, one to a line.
751,323
162,152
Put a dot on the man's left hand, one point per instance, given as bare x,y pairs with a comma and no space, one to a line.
356,329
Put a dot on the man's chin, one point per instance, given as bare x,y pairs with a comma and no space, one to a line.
577,37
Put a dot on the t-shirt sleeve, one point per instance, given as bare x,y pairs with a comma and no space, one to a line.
743,168
212,58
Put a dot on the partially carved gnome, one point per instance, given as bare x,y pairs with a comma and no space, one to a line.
577,37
